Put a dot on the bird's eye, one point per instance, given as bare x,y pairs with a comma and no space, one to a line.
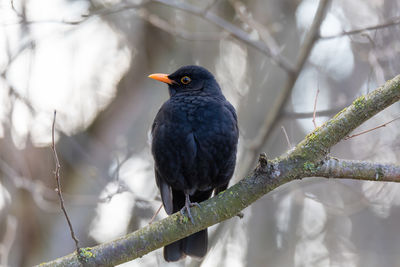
185,80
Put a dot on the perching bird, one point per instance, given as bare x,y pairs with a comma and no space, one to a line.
194,140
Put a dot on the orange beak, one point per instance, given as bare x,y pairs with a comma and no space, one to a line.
161,77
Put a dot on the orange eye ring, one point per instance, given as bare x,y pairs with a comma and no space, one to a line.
185,80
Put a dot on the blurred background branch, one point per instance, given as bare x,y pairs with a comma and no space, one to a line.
388,23
272,118
89,60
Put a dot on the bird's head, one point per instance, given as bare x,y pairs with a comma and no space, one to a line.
189,79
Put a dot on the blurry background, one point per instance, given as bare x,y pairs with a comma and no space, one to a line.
89,60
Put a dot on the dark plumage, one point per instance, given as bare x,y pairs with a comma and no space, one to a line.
194,140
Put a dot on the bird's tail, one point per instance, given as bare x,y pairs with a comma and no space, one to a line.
194,245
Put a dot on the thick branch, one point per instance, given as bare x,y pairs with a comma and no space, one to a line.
360,170
300,162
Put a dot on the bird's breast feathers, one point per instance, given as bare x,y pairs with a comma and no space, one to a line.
193,126
199,115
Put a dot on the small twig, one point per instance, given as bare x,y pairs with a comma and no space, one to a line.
15,10
315,109
367,131
155,214
28,45
121,186
286,136
392,22
304,115
58,189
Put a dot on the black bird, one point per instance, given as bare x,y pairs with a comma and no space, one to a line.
194,140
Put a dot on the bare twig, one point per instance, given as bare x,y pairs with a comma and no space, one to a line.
28,45
315,108
17,95
121,186
392,22
286,136
14,9
304,115
367,131
58,189
155,214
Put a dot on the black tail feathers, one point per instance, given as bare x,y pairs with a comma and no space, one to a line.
194,245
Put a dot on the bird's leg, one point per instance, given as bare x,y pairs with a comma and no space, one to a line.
187,206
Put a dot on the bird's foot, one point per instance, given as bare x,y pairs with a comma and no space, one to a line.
187,206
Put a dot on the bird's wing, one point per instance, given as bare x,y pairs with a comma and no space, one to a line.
174,149
166,193
173,159
232,111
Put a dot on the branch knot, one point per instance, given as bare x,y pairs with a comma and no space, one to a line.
262,166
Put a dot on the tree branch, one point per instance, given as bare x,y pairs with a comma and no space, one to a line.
359,170
305,159
58,189
370,130
389,23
